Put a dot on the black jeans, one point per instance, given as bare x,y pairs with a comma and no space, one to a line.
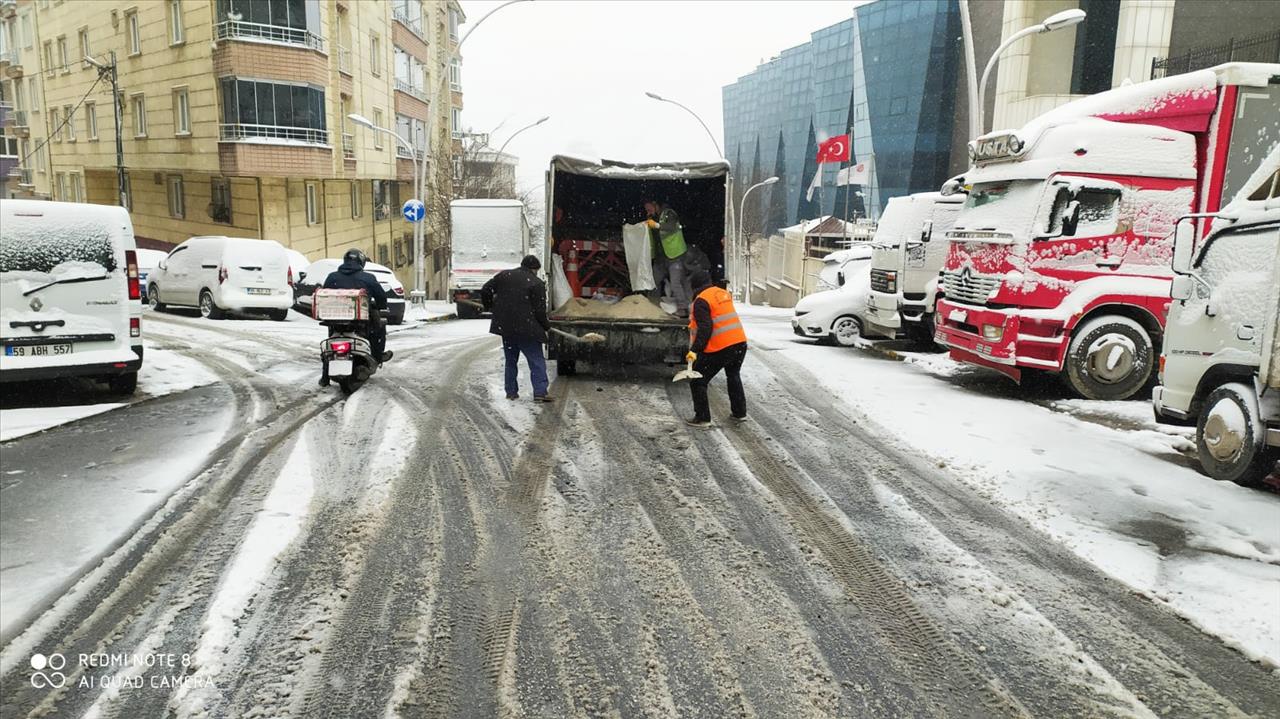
730,360
377,331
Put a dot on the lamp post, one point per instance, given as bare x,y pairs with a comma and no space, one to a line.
541,120
740,244
1057,21
733,231
363,121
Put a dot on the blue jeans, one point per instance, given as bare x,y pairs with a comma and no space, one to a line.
532,350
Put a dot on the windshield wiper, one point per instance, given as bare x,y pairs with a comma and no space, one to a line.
63,282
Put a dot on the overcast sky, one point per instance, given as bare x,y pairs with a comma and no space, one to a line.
588,63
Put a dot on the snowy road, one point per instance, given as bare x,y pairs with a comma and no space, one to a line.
427,548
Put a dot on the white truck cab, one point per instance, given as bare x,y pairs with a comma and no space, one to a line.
908,251
1220,363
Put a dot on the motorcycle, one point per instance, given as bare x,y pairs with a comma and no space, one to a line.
346,355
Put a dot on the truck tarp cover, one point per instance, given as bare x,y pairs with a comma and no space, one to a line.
598,197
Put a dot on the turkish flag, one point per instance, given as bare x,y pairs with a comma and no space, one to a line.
835,149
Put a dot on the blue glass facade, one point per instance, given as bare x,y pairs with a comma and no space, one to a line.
888,74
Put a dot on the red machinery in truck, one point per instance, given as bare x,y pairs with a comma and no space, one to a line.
1060,260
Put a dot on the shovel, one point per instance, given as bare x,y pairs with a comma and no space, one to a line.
688,372
589,338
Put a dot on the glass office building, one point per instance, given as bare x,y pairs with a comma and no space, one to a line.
887,75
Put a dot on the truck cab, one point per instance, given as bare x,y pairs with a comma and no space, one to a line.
908,250
1059,260
1220,364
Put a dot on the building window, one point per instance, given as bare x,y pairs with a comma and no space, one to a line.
453,24
455,122
60,186
455,75
55,124
181,112
84,47
381,201
131,28
27,36
49,68
295,22
220,199
357,204
377,136
77,187
375,54
70,127
398,250
383,258
63,63
177,34
91,120
138,106
313,203
408,12
177,201
253,108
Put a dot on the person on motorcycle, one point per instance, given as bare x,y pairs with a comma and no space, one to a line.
351,276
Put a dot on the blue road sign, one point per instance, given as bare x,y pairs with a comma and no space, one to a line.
414,210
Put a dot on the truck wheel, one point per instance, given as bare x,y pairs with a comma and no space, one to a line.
566,367
466,311
123,384
1229,437
922,333
208,308
1109,358
846,331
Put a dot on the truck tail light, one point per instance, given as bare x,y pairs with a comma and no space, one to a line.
222,274
135,327
131,272
1160,369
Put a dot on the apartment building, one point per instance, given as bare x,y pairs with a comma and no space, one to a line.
234,117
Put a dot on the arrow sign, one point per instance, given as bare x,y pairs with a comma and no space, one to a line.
414,210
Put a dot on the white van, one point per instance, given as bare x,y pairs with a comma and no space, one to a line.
69,293
225,274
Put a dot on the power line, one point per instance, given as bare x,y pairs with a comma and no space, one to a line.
65,120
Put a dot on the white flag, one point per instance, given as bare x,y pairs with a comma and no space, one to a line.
859,174
817,182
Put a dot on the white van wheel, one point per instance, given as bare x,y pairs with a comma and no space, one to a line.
208,308
846,331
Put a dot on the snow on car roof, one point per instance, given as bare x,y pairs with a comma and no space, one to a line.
486,203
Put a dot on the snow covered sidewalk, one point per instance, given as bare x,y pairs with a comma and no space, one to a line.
1100,477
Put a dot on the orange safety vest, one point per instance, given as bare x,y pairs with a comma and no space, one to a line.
726,328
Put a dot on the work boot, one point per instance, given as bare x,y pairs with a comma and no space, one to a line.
695,422
386,356
544,398
738,419
513,396
324,381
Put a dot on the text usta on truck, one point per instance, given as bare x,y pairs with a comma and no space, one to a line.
1060,259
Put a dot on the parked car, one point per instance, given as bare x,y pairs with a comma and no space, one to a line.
69,288
315,273
221,275
147,262
834,263
298,262
837,316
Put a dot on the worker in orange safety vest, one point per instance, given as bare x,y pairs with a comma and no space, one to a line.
716,341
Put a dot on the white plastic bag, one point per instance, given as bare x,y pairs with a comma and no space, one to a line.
639,251
560,289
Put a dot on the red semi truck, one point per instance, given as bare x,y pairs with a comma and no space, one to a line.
1060,259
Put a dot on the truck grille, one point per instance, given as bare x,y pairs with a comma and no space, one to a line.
880,282
966,287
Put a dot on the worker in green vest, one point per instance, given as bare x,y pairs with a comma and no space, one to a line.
669,252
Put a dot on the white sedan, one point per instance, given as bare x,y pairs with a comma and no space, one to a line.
837,316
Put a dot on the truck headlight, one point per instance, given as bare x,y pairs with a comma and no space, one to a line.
992,332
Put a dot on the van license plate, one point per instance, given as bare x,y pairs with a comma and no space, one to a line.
38,350
258,290
341,367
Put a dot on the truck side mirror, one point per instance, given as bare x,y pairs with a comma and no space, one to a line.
302,275
1182,287
1183,243
926,230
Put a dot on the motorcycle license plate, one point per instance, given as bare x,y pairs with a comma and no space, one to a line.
340,366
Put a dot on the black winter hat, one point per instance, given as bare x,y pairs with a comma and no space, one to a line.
531,262
700,279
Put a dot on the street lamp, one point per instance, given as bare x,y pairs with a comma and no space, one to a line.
740,243
1057,21
363,121
498,157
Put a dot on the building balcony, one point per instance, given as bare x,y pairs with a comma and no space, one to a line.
402,17
25,176
272,134
403,153
1255,48
258,32
8,8
344,59
16,124
348,146
13,66
410,90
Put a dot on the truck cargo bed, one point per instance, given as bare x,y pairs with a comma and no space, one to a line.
625,341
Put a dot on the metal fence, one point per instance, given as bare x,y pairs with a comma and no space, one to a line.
239,29
1257,48
239,132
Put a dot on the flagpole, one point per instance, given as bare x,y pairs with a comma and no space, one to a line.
844,220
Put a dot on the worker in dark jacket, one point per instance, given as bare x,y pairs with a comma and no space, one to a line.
350,275
716,341
518,300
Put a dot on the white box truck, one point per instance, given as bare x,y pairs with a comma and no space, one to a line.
1220,363
488,236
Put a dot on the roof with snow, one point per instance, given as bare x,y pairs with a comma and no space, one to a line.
486,203
643,171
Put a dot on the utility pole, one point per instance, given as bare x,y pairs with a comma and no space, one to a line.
111,71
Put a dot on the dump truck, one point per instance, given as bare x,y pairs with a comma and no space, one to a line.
488,236
591,290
